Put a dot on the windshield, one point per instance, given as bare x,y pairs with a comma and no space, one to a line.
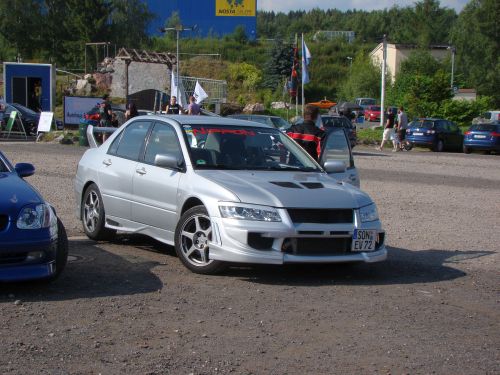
485,128
374,108
280,123
25,110
334,122
421,124
245,148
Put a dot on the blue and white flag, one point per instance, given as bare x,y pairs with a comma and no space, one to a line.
306,59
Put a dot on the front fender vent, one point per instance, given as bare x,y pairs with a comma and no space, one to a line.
313,185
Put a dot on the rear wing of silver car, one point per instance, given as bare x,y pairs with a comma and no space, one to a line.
91,130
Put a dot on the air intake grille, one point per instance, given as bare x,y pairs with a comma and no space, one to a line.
321,216
317,246
12,258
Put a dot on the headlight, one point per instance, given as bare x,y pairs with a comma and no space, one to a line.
247,212
37,217
368,213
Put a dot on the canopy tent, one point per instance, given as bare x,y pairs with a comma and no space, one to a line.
323,104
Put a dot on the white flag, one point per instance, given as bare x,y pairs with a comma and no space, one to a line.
181,95
306,60
199,94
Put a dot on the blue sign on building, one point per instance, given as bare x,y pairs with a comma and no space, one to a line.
212,17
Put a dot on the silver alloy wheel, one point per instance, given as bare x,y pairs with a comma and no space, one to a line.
195,234
91,211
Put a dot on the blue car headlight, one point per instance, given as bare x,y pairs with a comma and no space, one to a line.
368,213
249,212
37,216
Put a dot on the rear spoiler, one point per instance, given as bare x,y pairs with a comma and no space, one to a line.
91,137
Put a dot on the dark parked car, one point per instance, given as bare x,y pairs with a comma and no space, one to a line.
33,241
275,121
338,121
484,137
436,134
28,116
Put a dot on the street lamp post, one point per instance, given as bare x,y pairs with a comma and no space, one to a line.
453,51
178,30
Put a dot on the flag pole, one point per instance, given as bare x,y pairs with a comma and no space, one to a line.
296,96
303,61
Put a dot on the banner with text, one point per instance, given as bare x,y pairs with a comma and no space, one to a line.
235,8
76,106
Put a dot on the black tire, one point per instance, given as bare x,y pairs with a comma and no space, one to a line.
407,146
466,150
93,215
438,146
61,252
195,226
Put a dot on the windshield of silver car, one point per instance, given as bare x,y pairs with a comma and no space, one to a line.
248,148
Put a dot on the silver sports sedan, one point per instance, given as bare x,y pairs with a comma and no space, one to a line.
224,190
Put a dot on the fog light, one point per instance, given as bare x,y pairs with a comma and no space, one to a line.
34,255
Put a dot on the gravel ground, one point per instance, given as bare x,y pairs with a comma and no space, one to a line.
130,307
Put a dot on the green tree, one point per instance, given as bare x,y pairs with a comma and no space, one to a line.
476,36
20,26
278,64
363,79
421,86
129,23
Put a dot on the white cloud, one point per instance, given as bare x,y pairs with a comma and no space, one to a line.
288,5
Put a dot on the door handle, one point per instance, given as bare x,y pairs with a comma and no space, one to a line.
141,171
107,162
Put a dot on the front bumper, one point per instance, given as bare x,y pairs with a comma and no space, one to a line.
16,265
330,242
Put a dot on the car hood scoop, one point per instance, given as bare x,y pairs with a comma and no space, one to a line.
291,190
286,184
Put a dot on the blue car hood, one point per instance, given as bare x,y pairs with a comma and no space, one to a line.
15,193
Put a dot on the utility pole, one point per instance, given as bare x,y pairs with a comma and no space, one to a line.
178,30
453,50
382,93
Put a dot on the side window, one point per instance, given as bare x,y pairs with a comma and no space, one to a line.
452,127
163,140
132,140
440,126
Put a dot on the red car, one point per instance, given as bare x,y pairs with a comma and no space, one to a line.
372,113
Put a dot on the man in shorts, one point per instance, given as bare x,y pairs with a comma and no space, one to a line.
402,126
388,129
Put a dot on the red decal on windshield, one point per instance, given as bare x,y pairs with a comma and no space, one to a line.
224,131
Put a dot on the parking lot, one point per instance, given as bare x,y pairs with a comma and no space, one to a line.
131,307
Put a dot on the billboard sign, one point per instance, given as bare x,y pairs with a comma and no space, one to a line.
76,106
235,8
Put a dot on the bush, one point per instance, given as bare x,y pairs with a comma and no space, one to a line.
463,111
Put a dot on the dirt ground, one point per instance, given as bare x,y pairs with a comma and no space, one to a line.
130,307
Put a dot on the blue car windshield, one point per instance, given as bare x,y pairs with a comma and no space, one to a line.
485,128
245,148
421,124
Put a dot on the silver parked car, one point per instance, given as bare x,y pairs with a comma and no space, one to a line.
224,190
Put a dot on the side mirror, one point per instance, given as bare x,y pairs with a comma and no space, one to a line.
334,166
24,169
169,161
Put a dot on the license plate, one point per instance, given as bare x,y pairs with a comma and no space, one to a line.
480,136
363,240
418,133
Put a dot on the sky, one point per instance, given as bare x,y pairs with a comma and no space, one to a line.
288,5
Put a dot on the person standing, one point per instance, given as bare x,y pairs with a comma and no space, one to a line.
388,129
130,111
173,108
105,112
194,108
307,134
402,126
